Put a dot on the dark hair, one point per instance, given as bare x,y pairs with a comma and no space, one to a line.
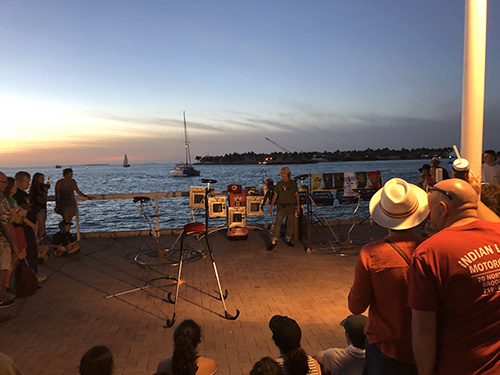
296,361
187,336
266,366
36,187
10,184
67,171
490,196
491,152
98,360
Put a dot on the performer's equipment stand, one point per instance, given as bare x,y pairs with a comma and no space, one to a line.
332,249
160,256
197,228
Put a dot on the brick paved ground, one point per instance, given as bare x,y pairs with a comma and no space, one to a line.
49,332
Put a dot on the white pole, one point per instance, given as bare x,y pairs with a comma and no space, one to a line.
473,85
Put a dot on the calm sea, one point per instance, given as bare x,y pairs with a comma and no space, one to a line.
123,214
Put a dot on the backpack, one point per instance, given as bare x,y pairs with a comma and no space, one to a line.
23,281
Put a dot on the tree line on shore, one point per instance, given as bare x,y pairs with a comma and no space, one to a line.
326,156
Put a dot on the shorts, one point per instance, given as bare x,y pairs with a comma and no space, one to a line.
5,258
20,238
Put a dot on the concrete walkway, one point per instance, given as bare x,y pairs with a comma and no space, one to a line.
50,331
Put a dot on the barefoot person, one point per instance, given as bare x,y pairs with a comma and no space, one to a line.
65,195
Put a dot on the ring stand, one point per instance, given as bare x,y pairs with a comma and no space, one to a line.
161,257
198,228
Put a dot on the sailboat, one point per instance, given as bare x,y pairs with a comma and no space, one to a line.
185,169
125,161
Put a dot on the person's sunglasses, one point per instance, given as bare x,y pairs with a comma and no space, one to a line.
433,188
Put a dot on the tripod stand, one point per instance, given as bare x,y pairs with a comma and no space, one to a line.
198,228
160,257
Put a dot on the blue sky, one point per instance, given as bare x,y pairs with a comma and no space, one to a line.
87,81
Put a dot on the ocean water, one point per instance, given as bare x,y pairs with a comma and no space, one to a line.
124,214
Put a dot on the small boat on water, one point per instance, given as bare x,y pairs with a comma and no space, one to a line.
125,161
58,166
185,169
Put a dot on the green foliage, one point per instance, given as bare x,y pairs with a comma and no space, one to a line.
326,156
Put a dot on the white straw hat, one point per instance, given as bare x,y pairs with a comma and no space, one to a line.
399,205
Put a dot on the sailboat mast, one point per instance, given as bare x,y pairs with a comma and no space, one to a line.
186,143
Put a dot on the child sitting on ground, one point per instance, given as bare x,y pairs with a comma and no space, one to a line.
63,241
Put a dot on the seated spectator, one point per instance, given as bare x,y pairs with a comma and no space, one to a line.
185,360
293,359
63,241
350,360
98,360
7,366
266,366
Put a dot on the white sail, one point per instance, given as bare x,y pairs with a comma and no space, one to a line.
125,161
185,169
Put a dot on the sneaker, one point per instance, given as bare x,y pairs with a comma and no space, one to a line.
271,246
7,294
289,243
6,303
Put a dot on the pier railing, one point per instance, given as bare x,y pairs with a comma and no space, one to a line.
154,196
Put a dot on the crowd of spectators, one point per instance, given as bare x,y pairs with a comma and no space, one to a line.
417,290
23,212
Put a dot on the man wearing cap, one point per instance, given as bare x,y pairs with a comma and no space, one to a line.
454,288
441,172
350,360
381,278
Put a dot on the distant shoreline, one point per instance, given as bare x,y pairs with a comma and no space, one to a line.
326,156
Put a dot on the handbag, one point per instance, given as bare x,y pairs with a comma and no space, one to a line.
23,281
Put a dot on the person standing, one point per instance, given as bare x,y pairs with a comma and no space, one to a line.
435,162
286,198
65,195
381,279
490,171
29,224
38,192
453,287
8,245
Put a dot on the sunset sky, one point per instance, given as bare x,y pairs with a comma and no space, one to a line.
87,81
